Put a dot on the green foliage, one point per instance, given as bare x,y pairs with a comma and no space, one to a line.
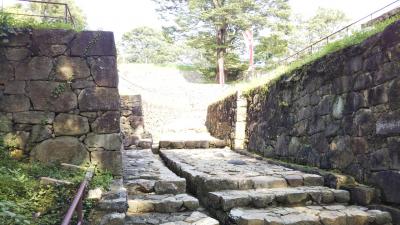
146,45
214,28
323,23
354,39
24,201
50,11
10,24
102,179
57,91
270,47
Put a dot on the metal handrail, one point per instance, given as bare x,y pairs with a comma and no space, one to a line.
310,47
67,17
77,203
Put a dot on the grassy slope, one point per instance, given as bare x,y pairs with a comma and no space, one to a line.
354,39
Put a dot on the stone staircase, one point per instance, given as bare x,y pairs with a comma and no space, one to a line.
238,189
156,195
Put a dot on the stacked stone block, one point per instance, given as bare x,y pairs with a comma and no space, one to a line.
132,122
221,119
341,112
226,119
58,96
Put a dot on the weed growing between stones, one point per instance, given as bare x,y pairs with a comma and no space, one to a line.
23,200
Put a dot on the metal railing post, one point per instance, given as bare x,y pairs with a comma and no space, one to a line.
295,55
79,210
77,203
66,13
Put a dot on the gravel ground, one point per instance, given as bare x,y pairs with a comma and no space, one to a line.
174,102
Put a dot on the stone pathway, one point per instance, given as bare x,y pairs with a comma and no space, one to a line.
173,103
238,189
156,195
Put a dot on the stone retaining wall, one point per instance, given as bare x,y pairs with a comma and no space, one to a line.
132,123
341,112
226,120
59,100
221,119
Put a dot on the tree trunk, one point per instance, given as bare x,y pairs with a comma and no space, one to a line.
221,50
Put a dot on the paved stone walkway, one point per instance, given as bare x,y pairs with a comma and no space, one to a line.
238,189
234,189
156,195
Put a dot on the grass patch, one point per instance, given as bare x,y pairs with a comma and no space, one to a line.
8,22
354,39
23,200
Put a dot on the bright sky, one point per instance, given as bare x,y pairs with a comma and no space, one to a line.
123,15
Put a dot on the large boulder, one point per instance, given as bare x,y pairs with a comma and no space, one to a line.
17,40
70,68
107,123
17,54
52,96
14,103
104,71
70,124
5,123
37,68
103,141
108,160
389,183
99,99
6,73
17,139
40,133
14,87
34,117
60,149
51,42
388,124
93,43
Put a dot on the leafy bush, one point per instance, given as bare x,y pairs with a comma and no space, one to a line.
9,23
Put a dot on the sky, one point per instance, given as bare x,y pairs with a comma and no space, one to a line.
122,15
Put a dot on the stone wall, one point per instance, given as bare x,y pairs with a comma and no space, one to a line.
226,120
392,13
341,112
132,123
59,100
221,119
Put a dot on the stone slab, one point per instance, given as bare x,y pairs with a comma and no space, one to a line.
93,43
181,218
262,198
161,203
222,169
145,173
310,215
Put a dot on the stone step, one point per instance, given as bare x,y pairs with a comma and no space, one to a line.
161,203
263,198
191,144
182,218
208,170
144,172
308,215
